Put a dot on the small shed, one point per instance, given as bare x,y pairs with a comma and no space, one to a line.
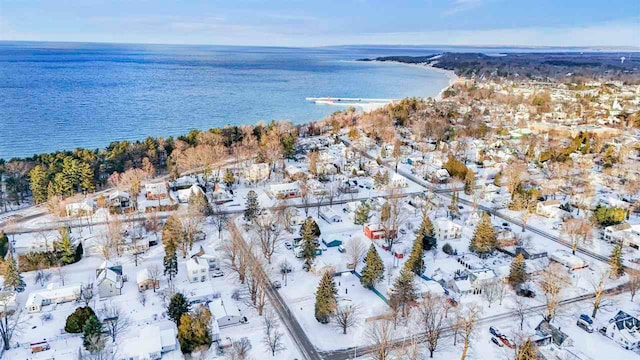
332,243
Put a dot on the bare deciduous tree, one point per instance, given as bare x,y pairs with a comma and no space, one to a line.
553,280
355,250
235,258
346,316
519,309
380,335
273,337
599,283
154,275
268,233
10,322
634,283
115,320
468,318
578,231
433,311
239,349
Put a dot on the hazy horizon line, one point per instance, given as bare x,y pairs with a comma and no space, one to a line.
577,47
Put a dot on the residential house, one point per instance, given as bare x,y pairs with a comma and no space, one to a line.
145,281
446,229
374,231
627,234
85,207
569,260
286,190
219,195
624,329
482,278
427,286
398,180
550,209
211,259
52,294
328,215
547,333
156,191
185,194
461,287
257,172
119,199
197,270
226,312
150,343
109,279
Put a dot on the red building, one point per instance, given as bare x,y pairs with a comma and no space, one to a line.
374,231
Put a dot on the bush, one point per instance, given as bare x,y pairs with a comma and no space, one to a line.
606,216
447,249
75,321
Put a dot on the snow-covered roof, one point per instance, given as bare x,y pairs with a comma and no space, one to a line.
194,266
463,285
119,194
220,308
52,292
429,286
142,275
148,341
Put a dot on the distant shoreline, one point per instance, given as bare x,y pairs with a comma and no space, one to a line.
450,74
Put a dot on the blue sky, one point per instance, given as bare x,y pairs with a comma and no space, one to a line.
328,22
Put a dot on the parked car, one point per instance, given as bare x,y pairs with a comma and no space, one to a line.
584,325
276,284
524,292
495,332
496,341
217,274
586,318
288,245
508,342
341,248
403,231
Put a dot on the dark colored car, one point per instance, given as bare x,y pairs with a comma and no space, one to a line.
496,341
586,318
526,293
495,332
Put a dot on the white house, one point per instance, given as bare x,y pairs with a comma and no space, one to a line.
482,278
446,229
119,199
257,172
625,330
150,344
330,216
286,190
226,312
626,234
80,208
197,270
52,294
424,286
567,259
156,191
549,208
109,279
185,194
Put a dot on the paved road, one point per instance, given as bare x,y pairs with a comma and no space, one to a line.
305,346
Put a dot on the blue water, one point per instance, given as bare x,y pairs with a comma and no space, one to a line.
56,96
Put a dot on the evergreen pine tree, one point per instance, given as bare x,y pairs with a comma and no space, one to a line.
4,244
309,233
404,291
85,173
615,261
12,278
518,272
362,214
171,232
170,262
325,298
415,261
178,306
64,247
92,335
252,208
484,239
195,330
427,233
38,184
373,270
229,179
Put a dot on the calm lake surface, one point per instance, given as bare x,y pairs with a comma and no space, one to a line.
56,96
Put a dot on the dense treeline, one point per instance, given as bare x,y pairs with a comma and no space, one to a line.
65,173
